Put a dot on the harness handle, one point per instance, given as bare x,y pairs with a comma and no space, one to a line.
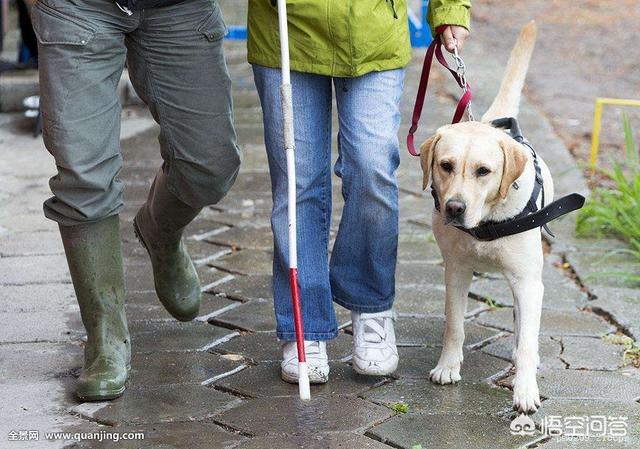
436,49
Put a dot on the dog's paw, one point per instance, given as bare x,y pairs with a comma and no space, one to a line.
526,397
445,374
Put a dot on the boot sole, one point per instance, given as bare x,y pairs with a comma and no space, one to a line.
101,396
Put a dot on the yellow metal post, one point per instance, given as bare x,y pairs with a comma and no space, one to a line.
597,122
595,134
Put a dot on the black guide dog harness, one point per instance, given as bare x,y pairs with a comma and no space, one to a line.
531,217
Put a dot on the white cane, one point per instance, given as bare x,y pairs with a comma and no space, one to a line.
289,147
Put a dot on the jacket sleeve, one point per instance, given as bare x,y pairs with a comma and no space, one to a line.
449,12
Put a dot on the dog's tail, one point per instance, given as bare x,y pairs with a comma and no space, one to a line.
507,102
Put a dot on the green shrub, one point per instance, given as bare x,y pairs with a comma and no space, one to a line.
615,210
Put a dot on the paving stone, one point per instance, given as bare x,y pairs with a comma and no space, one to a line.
166,403
203,224
591,353
340,440
412,331
244,238
263,380
139,277
596,268
423,299
134,253
580,384
589,408
246,288
593,407
177,435
622,304
242,218
34,270
601,245
419,273
167,368
264,347
38,362
452,431
155,336
31,244
40,312
145,306
291,416
209,276
561,292
201,250
248,262
418,247
237,201
549,350
422,396
631,442
417,362
256,316
554,322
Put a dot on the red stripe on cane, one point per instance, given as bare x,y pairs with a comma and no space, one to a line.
297,313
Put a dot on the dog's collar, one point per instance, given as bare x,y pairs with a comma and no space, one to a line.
530,217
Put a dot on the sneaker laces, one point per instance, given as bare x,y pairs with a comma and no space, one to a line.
312,348
375,324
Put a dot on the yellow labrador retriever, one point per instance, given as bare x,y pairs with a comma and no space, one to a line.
481,174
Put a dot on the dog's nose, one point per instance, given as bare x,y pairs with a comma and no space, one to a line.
455,209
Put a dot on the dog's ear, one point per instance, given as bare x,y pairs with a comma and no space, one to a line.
515,160
426,158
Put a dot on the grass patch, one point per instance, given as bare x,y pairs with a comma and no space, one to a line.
400,407
492,303
631,354
615,210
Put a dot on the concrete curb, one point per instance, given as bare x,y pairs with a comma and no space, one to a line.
16,85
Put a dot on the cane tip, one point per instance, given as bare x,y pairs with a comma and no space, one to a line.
305,391
303,382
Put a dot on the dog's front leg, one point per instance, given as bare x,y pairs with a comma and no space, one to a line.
527,293
457,280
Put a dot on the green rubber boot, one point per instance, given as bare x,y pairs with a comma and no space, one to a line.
159,225
95,262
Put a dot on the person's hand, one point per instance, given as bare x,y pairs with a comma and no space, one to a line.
453,34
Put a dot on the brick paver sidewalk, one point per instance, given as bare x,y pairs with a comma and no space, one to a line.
214,383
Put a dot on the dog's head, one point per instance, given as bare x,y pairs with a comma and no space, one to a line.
472,165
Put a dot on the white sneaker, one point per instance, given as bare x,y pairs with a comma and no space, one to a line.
317,362
374,343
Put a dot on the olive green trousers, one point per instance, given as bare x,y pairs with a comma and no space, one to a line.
176,65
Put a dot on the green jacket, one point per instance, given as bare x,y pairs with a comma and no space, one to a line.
343,38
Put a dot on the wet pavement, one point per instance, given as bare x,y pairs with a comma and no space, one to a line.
214,383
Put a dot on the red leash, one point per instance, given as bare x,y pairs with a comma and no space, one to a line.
463,104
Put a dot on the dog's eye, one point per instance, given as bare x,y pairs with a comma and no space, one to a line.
482,171
447,166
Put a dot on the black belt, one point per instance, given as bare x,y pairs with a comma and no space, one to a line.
531,217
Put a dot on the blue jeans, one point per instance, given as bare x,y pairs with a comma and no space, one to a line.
361,272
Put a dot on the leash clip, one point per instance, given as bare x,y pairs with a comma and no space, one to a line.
461,70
